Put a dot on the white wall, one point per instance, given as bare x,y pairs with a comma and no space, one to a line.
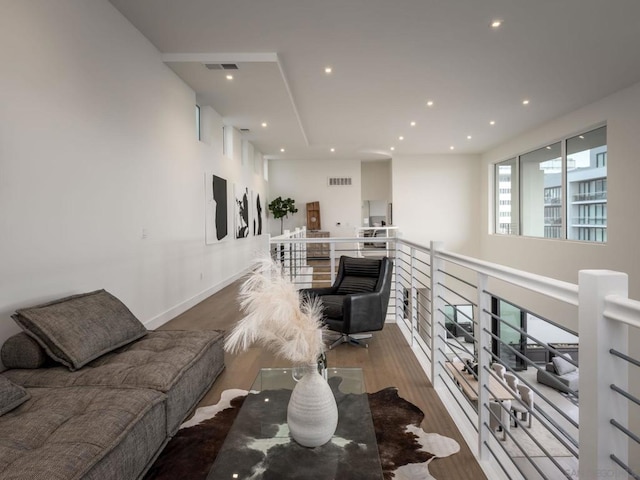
306,181
376,180
563,259
435,197
97,146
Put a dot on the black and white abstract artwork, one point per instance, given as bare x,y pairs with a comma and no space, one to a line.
257,215
241,198
216,209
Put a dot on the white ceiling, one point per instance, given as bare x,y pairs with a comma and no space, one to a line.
389,58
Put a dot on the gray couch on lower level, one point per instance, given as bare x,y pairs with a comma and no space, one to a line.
96,412
560,374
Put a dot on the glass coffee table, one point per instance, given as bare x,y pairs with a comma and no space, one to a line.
258,445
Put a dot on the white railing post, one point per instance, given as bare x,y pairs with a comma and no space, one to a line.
332,261
399,301
598,370
481,334
438,331
414,297
296,247
304,247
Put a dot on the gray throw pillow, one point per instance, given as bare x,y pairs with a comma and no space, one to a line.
11,395
22,351
77,329
562,366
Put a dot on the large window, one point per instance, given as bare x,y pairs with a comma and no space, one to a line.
540,174
587,186
557,191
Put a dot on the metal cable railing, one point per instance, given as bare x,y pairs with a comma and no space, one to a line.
430,287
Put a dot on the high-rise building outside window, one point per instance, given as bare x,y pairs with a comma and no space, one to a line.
587,186
506,188
557,191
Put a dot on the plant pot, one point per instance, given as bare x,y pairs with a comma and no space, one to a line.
312,413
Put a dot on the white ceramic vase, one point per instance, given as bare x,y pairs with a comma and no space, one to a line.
312,413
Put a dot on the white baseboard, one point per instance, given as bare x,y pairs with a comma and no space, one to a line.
173,312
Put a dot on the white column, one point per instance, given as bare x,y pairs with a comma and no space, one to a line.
598,370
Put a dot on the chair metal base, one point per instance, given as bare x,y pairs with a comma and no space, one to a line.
352,340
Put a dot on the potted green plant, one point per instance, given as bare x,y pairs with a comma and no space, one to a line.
282,208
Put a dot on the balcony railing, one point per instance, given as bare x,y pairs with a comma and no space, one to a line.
430,283
589,197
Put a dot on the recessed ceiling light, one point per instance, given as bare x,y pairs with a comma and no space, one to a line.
264,124
525,102
548,147
333,150
496,23
451,147
328,70
392,148
229,77
282,150
582,137
413,124
430,103
492,122
400,138
468,137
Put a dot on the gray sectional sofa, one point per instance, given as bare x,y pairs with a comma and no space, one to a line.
91,394
560,374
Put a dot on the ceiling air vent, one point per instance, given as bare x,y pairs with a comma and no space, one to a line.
245,130
339,181
221,66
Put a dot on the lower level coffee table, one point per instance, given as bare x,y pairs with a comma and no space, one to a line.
258,445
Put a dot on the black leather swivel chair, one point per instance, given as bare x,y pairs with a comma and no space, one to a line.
358,299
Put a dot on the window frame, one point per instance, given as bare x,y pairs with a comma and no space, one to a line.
596,232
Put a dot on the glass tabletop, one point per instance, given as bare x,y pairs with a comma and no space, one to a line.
258,445
351,379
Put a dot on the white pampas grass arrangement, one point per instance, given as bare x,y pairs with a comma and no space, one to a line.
277,318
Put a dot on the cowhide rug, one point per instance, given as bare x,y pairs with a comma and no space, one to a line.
405,449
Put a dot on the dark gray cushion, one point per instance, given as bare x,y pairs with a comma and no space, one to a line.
182,364
82,433
562,366
11,395
354,284
361,267
22,351
77,329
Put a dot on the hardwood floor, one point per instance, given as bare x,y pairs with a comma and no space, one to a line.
387,362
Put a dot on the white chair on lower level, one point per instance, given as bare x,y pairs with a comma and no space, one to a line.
524,405
500,416
512,383
499,369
